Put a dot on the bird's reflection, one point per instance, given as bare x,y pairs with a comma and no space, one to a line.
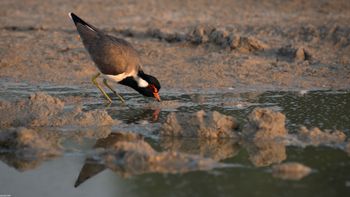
128,154
91,167
135,115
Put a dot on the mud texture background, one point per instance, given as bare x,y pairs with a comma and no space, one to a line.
186,44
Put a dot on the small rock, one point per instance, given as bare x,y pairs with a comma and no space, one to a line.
218,37
233,41
296,54
200,34
301,54
249,44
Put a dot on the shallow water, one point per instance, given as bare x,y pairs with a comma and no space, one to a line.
323,109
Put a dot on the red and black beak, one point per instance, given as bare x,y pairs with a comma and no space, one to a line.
156,95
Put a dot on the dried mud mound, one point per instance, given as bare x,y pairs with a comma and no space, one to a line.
290,171
41,110
317,137
263,123
261,134
131,155
291,53
205,34
199,124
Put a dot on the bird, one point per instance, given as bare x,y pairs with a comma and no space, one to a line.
117,61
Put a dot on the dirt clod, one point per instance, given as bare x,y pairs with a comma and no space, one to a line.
263,123
316,137
200,124
297,54
41,109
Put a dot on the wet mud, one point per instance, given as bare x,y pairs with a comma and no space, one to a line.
262,84
262,52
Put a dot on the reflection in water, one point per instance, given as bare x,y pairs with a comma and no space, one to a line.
217,148
325,110
25,149
21,163
128,154
91,167
265,153
290,171
135,115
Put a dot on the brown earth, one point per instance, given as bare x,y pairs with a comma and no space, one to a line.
188,45
43,110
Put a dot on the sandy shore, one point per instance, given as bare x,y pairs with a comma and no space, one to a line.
187,45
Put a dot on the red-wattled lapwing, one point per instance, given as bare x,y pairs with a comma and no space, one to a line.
117,61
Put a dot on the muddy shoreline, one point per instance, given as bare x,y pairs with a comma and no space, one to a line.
294,47
252,89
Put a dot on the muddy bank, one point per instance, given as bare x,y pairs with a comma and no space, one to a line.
187,45
41,110
199,125
31,128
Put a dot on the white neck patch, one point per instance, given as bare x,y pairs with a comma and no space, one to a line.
140,82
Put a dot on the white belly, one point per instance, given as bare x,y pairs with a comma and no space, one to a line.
116,78
120,77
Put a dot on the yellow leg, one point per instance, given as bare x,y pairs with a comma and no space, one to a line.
101,90
108,86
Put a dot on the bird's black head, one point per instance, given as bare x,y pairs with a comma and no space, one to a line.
150,91
153,86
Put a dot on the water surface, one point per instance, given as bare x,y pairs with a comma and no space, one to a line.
323,109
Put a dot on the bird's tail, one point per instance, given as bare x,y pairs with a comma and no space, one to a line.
78,20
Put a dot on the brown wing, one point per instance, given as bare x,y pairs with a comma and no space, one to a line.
111,55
